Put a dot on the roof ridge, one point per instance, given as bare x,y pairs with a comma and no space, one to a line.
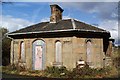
73,23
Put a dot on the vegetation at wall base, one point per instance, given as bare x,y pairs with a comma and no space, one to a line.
56,72
63,72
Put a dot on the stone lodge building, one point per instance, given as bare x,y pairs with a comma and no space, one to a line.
59,43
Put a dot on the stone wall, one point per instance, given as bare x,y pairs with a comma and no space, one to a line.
73,49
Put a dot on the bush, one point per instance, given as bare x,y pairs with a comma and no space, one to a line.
14,68
116,62
88,72
81,72
84,72
56,71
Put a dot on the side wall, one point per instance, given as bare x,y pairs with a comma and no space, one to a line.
80,50
73,49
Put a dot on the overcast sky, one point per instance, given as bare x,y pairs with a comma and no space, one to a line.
104,15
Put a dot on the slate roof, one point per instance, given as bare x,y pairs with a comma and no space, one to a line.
67,25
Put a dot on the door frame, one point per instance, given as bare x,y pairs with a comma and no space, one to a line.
41,43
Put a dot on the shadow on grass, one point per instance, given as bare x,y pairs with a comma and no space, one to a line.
4,76
20,77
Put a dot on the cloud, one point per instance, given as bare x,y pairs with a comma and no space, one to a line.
112,27
12,23
45,19
104,10
66,17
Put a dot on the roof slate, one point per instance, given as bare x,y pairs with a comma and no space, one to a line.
61,25
84,26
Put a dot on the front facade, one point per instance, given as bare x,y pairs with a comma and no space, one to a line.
59,43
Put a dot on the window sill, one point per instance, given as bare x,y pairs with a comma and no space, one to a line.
58,64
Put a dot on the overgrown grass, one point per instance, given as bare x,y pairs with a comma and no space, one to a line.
10,70
59,72
85,72
13,70
63,72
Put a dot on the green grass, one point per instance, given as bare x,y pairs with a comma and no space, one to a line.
55,72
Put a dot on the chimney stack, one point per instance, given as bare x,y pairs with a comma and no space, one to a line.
56,13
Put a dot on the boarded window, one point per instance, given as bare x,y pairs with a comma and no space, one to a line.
22,52
89,52
58,51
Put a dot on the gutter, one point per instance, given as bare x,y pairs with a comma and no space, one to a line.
40,32
57,31
93,31
8,36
